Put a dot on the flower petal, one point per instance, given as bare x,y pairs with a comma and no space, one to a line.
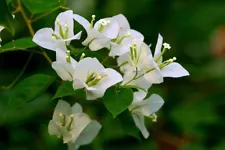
110,30
76,108
75,37
112,77
150,105
99,43
155,75
89,133
174,70
87,66
61,57
65,19
158,48
64,70
43,37
82,21
53,129
61,107
122,21
140,123
91,34
80,123
93,93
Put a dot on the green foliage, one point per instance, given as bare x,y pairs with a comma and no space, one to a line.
6,16
40,6
19,44
116,100
66,89
28,89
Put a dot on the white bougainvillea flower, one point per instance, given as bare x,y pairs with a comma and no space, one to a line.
144,108
87,135
72,124
99,34
1,28
64,65
139,67
125,38
61,36
169,68
91,75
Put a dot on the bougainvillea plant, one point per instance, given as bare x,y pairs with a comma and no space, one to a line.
119,87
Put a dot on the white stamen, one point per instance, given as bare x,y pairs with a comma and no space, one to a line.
166,45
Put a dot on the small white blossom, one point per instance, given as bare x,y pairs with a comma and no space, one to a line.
125,38
144,108
72,125
91,75
169,68
61,36
99,34
64,65
138,63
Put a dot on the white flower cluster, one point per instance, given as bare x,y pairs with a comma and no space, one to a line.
139,67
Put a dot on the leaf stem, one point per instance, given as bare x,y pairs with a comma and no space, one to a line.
48,13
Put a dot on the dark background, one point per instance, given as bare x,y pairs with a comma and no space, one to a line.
193,115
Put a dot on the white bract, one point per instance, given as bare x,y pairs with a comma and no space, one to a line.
144,108
125,38
64,65
1,28
91,75
99,34
61,36
87,135
72,125
168,68
139,67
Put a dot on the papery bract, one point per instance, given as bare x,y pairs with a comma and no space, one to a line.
172,69
138,62
91,75
72,124
64,68
60,37
125,38
99,34
144,108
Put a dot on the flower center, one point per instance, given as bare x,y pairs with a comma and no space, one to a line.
69,127
123,37
134,54
63,33
94,78
103,23
62,119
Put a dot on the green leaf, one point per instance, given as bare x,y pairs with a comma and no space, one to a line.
42,6
116,100
66,89
128,124
20,44
6,16
29,88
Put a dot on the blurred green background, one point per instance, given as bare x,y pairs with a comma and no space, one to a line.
193,115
